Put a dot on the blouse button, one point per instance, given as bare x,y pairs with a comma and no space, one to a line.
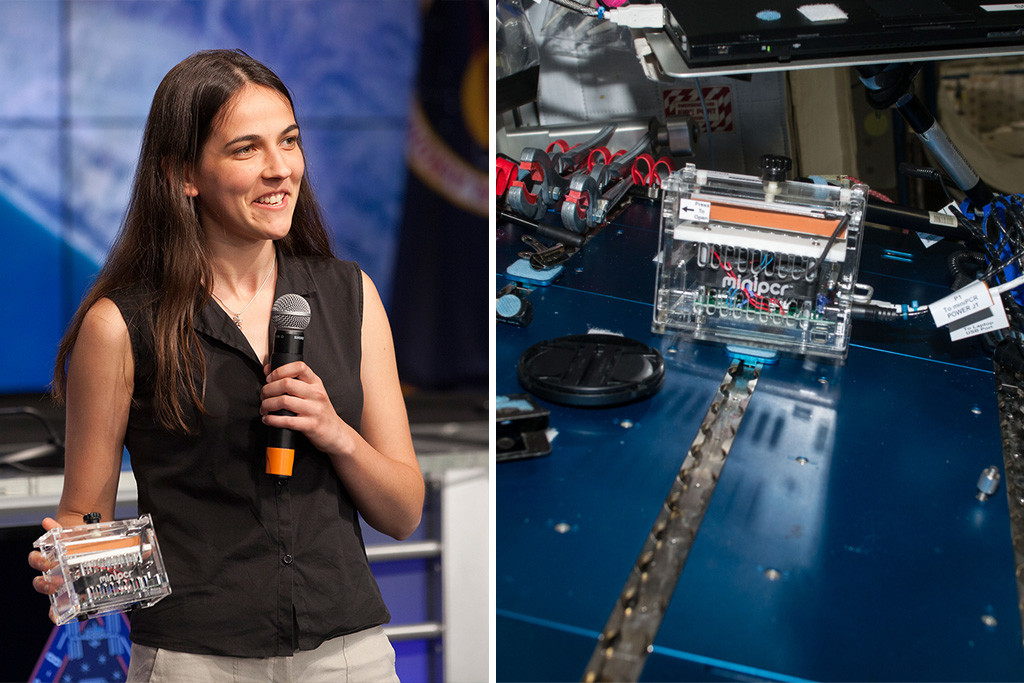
287,559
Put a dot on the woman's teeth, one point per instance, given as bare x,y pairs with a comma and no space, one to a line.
271,199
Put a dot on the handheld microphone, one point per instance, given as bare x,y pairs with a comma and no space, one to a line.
290,316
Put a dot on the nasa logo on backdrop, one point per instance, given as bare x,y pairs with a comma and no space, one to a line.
432,158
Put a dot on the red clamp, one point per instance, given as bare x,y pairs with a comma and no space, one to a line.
507,171
647,171
562,146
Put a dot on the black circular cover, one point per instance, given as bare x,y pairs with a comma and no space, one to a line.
594,370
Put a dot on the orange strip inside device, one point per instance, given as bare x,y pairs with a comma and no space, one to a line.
81,548
775,221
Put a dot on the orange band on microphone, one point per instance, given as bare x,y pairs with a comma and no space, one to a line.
280,460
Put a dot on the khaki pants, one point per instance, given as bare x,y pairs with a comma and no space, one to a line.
361,657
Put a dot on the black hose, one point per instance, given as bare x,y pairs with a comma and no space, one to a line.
965,267
904,217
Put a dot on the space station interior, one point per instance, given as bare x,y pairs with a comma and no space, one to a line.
759,352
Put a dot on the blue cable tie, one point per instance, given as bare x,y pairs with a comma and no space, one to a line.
600,12
904,311
967,209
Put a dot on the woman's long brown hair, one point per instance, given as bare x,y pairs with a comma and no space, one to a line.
160,245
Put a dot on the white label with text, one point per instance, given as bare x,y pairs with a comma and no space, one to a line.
961,303
694,210
996,321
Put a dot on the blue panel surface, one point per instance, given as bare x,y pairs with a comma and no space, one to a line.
30,55
101,166
408,588
30,258
359,177
415,660
343,59
843,541
411,591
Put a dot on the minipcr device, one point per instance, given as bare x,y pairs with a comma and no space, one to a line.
761,263
103,567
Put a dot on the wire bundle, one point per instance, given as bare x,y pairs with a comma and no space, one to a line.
757,301
997,230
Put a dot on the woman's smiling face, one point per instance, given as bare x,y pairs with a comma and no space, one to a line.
250,168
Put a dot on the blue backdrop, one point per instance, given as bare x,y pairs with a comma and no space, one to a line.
78,78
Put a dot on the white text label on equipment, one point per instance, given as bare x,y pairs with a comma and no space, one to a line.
694,210
963,302
996,321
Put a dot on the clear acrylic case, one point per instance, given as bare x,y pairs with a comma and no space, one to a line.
757,263
104,567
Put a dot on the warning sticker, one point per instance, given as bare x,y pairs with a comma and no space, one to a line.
686,102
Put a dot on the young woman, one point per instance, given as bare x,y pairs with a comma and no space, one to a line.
169,356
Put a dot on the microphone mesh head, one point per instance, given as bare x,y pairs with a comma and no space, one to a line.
290,312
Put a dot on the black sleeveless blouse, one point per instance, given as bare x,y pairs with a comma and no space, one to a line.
258,566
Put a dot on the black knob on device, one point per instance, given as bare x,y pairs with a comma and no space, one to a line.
775,167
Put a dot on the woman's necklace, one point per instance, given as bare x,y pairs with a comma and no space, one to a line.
237,317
